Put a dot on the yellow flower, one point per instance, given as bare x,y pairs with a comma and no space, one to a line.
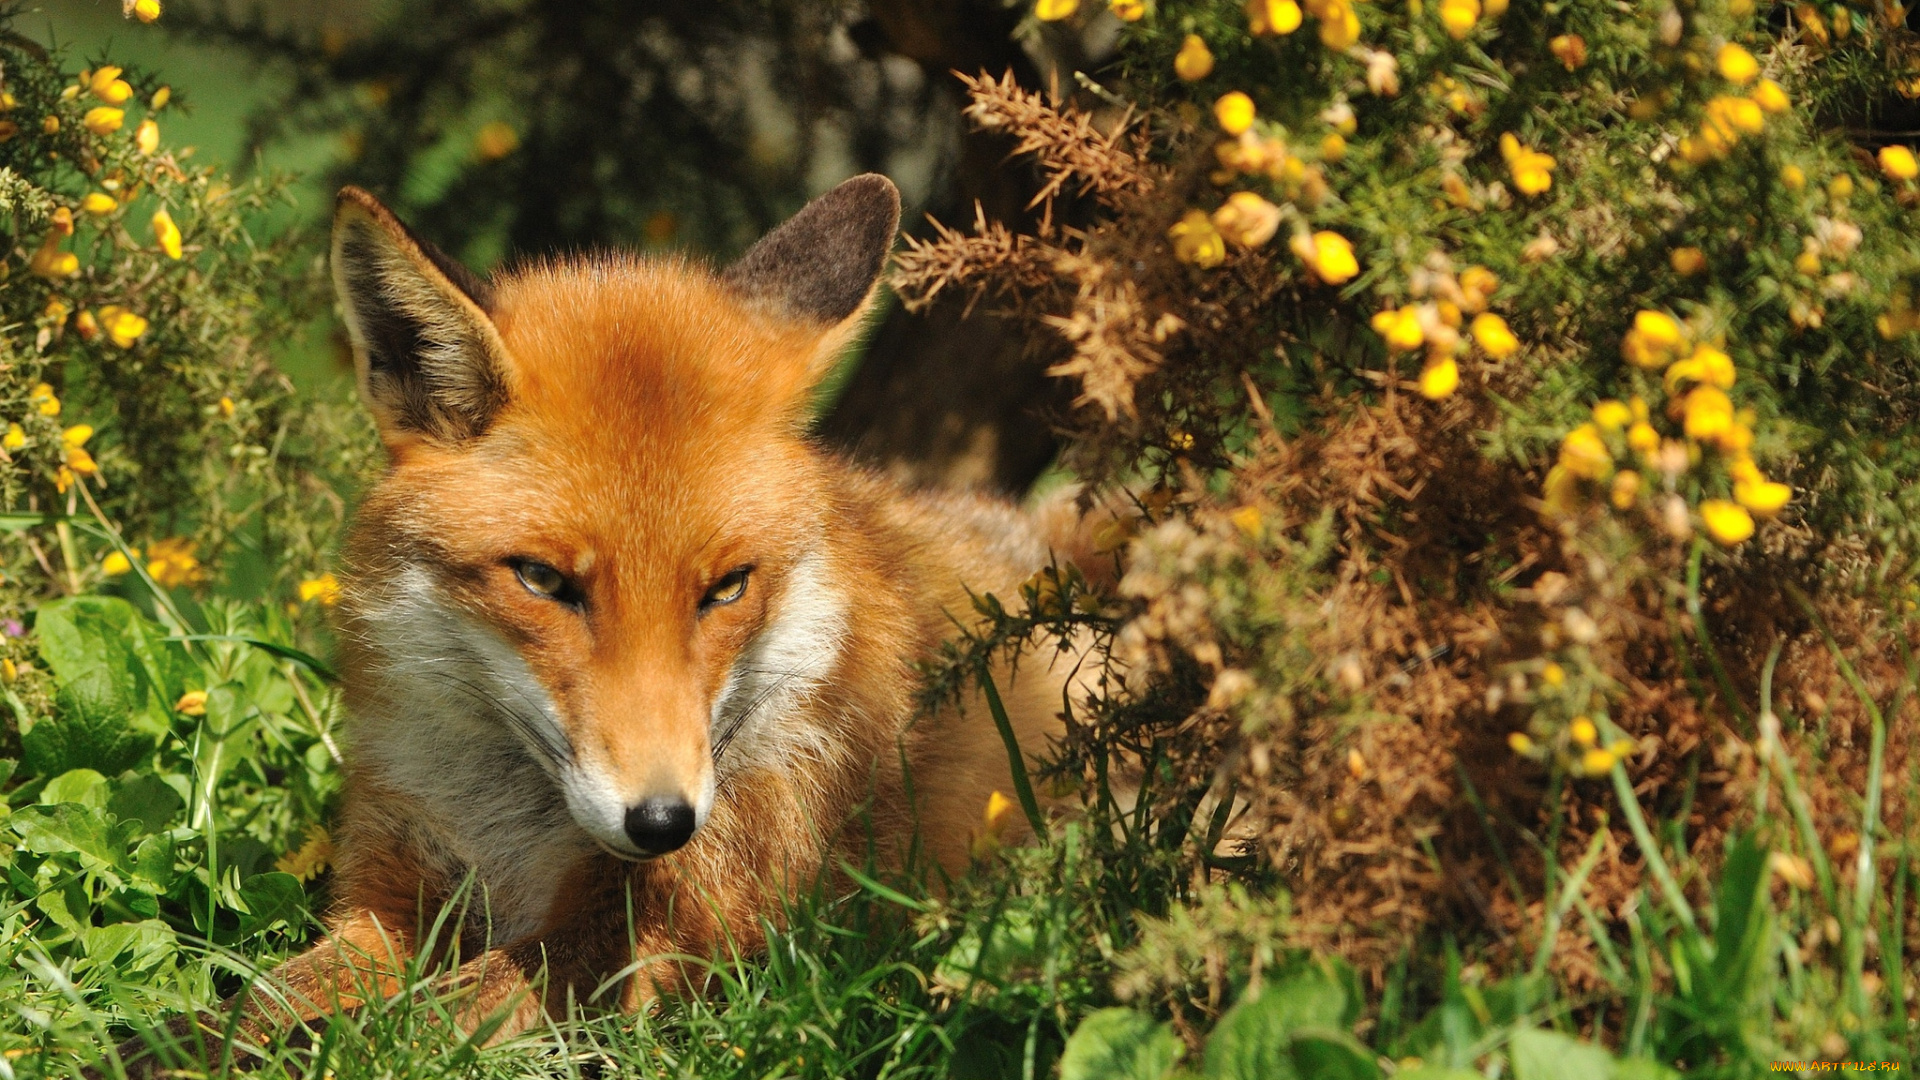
1196,241
107,85
1247,219
1194,61
992,820
1532,171
160,98
1570,50
1493,335
1736,64
325,588
1642,439
1247,520
1339,26
1561,491
1763,497
123,327
1400,326
1727,522
1553,674
1687,261
1652,341
172,563
104,119
1234,111
1736,114
226,406
1793,176
1520,742
115,564
1709,413
167,233
1477,284
80,462
313,857
1770,96
1273,16
1625,490
42,399
1458,16
1583,731
147,136
1328,255
1128,10
99,203
77,435
50,125
1707,365
192,703
1584,453
1611,415
1333,147
1440,378
497,140
1597,762
1055,10
1898,163
15,438
146,10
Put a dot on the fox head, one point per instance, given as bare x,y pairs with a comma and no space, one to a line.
599,535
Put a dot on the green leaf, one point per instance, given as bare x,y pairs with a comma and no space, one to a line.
1119,1044
270,898
1254,1040
1549,1055
148,800
69,827
153,863
1740,929
1436,1072
83,786
108,714
1329,1054
129,946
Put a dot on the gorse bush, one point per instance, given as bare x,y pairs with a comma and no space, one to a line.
1518,405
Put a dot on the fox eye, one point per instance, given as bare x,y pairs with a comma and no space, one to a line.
543,580
726,590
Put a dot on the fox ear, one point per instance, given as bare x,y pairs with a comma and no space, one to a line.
821,265
428,358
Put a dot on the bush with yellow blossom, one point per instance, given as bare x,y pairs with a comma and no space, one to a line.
1516,399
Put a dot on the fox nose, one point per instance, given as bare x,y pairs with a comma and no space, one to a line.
658,826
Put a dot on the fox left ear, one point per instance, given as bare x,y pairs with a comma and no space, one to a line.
428,358
820,266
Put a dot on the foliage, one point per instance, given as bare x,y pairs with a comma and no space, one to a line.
135,374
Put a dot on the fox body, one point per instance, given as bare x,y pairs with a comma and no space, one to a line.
625,654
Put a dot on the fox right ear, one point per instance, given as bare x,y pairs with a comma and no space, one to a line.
429,361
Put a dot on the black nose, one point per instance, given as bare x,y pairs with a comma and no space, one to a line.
658,826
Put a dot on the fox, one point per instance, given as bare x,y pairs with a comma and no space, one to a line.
624,651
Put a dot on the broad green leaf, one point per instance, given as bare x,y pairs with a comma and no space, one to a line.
1254,1040
69,827
108,712
153,863
83,786
145,799
270,898
129,946
1119,1044
1549,1055
1328,1054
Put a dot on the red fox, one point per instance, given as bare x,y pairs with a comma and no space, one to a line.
621,646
